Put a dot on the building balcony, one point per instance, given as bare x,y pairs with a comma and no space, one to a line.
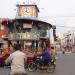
22,36
25,36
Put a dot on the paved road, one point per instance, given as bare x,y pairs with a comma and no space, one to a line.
65,65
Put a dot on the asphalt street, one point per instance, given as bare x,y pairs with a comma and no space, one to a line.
65,65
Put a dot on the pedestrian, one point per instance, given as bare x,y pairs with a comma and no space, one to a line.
17,60
53,53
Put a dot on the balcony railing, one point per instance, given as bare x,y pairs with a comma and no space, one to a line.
22,36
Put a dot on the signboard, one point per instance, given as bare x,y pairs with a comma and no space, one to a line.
27,25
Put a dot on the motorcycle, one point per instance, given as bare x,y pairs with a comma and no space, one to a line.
48,65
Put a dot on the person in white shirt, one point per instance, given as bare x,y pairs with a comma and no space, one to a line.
17,60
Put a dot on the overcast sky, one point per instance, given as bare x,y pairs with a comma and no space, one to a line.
57,12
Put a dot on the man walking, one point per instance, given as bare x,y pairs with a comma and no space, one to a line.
17,60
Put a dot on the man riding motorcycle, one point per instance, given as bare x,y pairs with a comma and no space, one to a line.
42,57
42,61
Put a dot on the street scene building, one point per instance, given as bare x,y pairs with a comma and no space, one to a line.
68,41
25,29
37,37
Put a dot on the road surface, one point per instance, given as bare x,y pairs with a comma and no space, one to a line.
65,65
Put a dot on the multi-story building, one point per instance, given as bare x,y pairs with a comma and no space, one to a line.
26,29
68,41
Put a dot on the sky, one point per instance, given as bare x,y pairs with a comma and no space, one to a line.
57,12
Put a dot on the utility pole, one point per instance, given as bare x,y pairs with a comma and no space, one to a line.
54,35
